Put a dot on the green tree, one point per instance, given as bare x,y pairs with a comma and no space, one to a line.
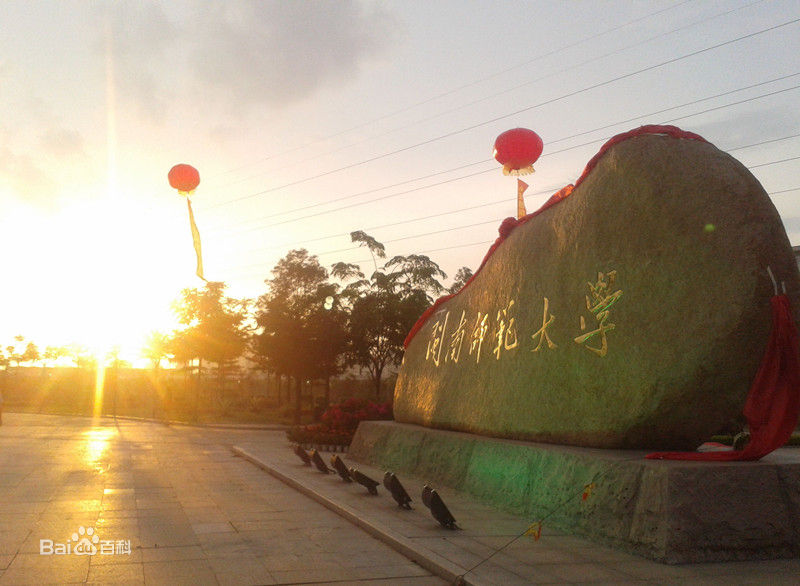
156,348
415,273
53,353
301,327
31,353
82,357
14,353
384,308
463,275
216,328
327,335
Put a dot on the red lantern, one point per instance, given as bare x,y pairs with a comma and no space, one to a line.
517,150
184,178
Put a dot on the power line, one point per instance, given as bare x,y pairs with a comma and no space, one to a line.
782,191
685,104
478,206
773,163
428,251
763,142
476,82
451,229
474,207
505,200
389,196
515,113
442,231
541,78
491,241
693,102
353,205
360,193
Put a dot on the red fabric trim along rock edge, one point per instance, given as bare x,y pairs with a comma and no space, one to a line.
509,224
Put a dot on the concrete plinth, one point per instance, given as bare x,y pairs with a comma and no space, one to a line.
669,511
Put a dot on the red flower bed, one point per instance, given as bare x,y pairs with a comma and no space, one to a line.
339,422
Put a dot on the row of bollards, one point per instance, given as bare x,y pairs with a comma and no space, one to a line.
430,498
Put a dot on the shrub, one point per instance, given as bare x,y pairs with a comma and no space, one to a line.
339,422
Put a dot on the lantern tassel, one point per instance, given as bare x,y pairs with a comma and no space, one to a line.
521,187
196,241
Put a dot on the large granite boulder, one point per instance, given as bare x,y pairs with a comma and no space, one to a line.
631,311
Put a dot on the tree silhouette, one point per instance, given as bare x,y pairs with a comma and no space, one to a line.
301,327
31,353
385,307
14,354
53,353
215,331
463,275
156,348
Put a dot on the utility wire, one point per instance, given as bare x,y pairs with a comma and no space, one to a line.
561,71
366,192
456,246
541,78
471,84
504,200
360,193
773,163
494,202
406,192
515,113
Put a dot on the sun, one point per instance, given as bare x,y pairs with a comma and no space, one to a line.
100,274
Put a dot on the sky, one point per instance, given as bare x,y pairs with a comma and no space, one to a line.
310,120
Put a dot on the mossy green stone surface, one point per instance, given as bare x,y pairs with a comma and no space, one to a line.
671,511
615,318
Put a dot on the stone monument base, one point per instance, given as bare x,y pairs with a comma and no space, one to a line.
670,511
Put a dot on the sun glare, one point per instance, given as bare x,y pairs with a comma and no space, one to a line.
101,275
96,446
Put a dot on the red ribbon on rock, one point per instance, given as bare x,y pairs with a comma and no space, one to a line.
773,402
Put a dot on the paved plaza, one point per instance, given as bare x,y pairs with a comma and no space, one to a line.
192,511
115,502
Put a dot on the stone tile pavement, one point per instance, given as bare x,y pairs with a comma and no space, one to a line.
174,505
166,505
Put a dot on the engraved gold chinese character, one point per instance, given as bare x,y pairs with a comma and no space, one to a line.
506,332
599,303
478,334
542,332
436,342
457,339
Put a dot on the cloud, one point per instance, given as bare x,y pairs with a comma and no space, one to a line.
137,41
62,142
235,55
25,176
276,53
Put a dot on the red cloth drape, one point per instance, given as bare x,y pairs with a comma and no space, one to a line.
774,399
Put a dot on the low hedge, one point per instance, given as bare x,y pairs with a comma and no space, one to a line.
339,422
